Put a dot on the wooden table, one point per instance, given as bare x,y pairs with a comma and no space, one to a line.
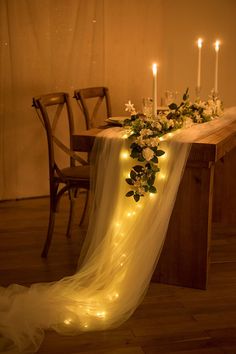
207,193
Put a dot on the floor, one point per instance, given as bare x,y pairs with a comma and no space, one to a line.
169,320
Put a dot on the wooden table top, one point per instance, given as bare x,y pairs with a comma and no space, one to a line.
209,149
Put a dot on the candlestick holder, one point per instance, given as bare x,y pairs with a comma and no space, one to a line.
214,94
147,105
198,91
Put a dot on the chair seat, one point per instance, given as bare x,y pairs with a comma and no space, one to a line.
77,172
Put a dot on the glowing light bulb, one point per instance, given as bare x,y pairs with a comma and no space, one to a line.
139,205
162,176
152,195
123,256
124,155
113,296
101,314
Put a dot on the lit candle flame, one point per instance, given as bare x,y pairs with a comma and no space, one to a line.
199,42
217,45
154,69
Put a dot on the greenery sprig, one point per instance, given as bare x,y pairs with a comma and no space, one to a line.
145,131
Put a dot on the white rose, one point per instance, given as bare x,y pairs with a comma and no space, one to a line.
148,154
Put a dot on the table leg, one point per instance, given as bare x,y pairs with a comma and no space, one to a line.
184,260
224,201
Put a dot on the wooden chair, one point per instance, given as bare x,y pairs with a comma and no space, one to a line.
100,94
52,109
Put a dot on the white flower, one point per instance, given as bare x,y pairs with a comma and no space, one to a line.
148,154
187,122
129,107
146,132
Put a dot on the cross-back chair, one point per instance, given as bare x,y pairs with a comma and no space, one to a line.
53,109
100,94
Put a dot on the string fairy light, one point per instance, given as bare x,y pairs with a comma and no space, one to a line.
124,155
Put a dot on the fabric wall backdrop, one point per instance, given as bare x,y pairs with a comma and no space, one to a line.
48,45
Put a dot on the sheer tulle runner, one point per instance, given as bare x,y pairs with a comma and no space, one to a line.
121,249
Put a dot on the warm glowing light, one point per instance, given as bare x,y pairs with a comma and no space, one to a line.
170,135
154,69
117,224
139,205
161,138
152,195
131,213
124,155
125,136
162,176
101,314
113,297
217,45
199,42
68,321
85,325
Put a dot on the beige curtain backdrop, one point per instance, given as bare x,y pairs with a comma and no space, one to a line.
60,45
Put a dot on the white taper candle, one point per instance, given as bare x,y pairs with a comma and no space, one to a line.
199,43
217,47
154,71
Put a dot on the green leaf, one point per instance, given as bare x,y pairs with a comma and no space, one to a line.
136,197
129,194
129,181
133,146
138,168
155,168
133,174
151,180
173,106
160,152
186,95
154,159
152,189
134,154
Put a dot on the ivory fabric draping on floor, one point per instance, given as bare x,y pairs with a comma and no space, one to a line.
122,246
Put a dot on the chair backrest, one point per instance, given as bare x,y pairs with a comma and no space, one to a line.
51,108
98,95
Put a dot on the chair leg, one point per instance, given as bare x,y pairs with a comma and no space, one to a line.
85,209
70,221
49,234
54,199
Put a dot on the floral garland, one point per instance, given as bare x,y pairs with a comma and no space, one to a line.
145,131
